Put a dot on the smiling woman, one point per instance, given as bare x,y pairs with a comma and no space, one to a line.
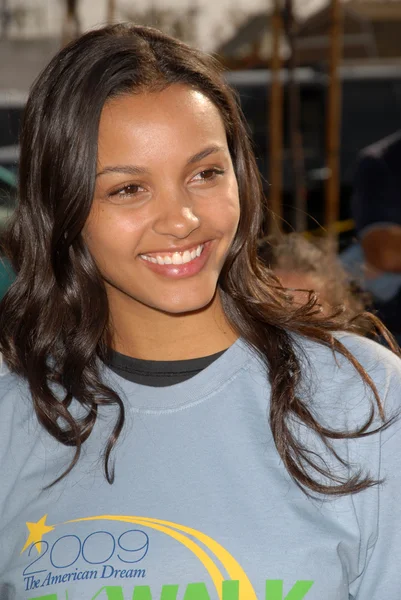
142,329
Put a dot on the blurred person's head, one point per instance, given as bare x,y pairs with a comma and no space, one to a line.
304,266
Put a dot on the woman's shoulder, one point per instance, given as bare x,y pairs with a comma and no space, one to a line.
8,379
336,383
15,398
377,360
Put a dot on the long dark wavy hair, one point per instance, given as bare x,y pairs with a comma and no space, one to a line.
54,320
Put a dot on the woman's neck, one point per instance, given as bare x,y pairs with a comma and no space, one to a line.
145,333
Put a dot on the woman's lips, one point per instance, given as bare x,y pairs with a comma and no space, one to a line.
177,271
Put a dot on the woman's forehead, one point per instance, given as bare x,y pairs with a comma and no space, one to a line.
148,123
174,103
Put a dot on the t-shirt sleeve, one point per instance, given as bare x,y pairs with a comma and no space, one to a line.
379,511
374,572
381,577
375,200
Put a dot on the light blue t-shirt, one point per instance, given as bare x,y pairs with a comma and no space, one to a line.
202,507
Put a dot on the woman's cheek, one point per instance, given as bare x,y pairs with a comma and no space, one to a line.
227,211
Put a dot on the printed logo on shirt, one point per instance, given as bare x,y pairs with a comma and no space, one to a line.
107,558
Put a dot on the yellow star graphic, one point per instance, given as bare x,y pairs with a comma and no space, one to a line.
36,532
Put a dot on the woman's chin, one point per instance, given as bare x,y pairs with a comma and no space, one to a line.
185,305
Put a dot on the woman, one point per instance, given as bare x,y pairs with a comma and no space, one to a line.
242,444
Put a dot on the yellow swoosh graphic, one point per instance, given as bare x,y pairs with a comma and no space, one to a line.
233,568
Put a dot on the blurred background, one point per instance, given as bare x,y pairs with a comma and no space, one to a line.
318,81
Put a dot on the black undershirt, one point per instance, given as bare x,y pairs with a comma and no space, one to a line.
158,373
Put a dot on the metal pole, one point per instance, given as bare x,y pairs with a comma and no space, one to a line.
276,122
4,18
111,11
71,25
332,191
294,116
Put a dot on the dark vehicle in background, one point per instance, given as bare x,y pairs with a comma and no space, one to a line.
371,109
11,107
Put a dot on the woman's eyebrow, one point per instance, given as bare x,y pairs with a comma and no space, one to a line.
134,170
127,169
204,153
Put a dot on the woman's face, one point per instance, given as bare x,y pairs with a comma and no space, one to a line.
166,207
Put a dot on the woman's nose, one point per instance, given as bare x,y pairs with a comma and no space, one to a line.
176,218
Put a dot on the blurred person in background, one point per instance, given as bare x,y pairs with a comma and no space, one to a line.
305,267
375,260
170,421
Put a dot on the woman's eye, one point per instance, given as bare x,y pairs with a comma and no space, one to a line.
127,191
209,174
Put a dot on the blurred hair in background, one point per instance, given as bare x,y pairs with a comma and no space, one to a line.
305,266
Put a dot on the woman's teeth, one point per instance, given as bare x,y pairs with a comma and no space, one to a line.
178,258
